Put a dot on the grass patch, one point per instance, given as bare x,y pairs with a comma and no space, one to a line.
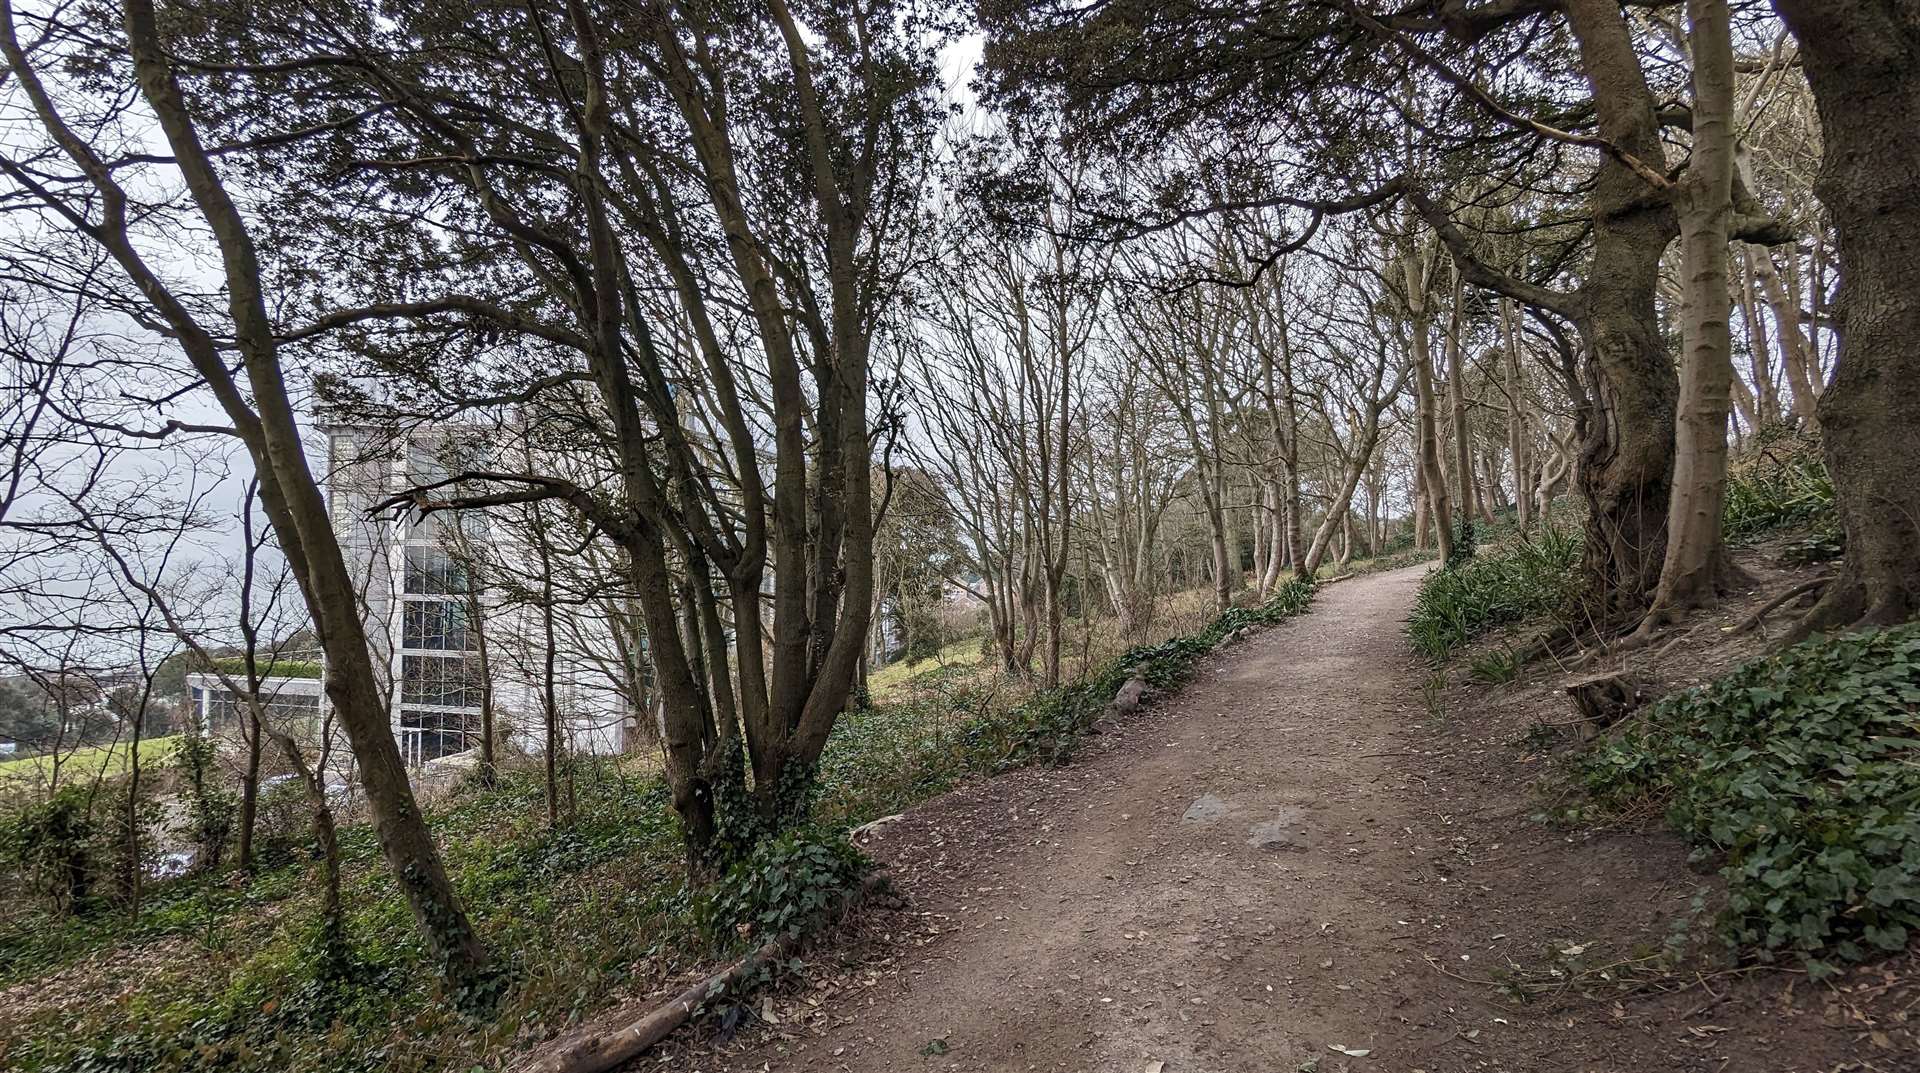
1049,726
272,668
1391,561
1801,772
92,762
888,679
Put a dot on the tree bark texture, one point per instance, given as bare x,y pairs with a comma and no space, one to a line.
1862,59
1695,564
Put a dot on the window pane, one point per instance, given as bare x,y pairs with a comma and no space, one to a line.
441,681
431,571
430,735
439,625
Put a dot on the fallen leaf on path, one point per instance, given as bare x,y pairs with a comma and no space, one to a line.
1155,1067
1350,1052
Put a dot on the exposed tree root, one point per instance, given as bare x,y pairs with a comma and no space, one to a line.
1846,605
1752,621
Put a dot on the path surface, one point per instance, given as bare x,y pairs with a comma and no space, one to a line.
1280,860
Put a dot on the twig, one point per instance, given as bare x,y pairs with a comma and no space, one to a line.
1716,1000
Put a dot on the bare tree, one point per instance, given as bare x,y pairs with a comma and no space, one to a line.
93,201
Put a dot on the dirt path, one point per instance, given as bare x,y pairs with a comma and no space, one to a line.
1287,857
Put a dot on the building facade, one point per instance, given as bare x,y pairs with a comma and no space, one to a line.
455,611
292,704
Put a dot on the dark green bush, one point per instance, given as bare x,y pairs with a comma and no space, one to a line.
1499,586
51,842
784,884
1801,772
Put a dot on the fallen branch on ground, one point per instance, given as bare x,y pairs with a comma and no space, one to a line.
595,1051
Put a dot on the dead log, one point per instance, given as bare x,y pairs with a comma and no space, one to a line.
604,1049
1602,700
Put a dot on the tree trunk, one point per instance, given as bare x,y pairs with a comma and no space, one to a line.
549,700
1465,491
250,790
1795,350
1765,407
1419,487
489,764
326,834
1217,533
1695,563
1863,61
1432,480
1261,527
1625,462
294,504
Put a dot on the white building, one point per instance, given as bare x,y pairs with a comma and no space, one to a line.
421,609
293,703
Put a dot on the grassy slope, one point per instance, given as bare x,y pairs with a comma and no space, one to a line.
888,679
88,763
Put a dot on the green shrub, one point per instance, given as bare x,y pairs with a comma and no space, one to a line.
1498,667
51,842
1784,482
211,807
1802,772
784,884
1464,544
283,819
124,849
1497,587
